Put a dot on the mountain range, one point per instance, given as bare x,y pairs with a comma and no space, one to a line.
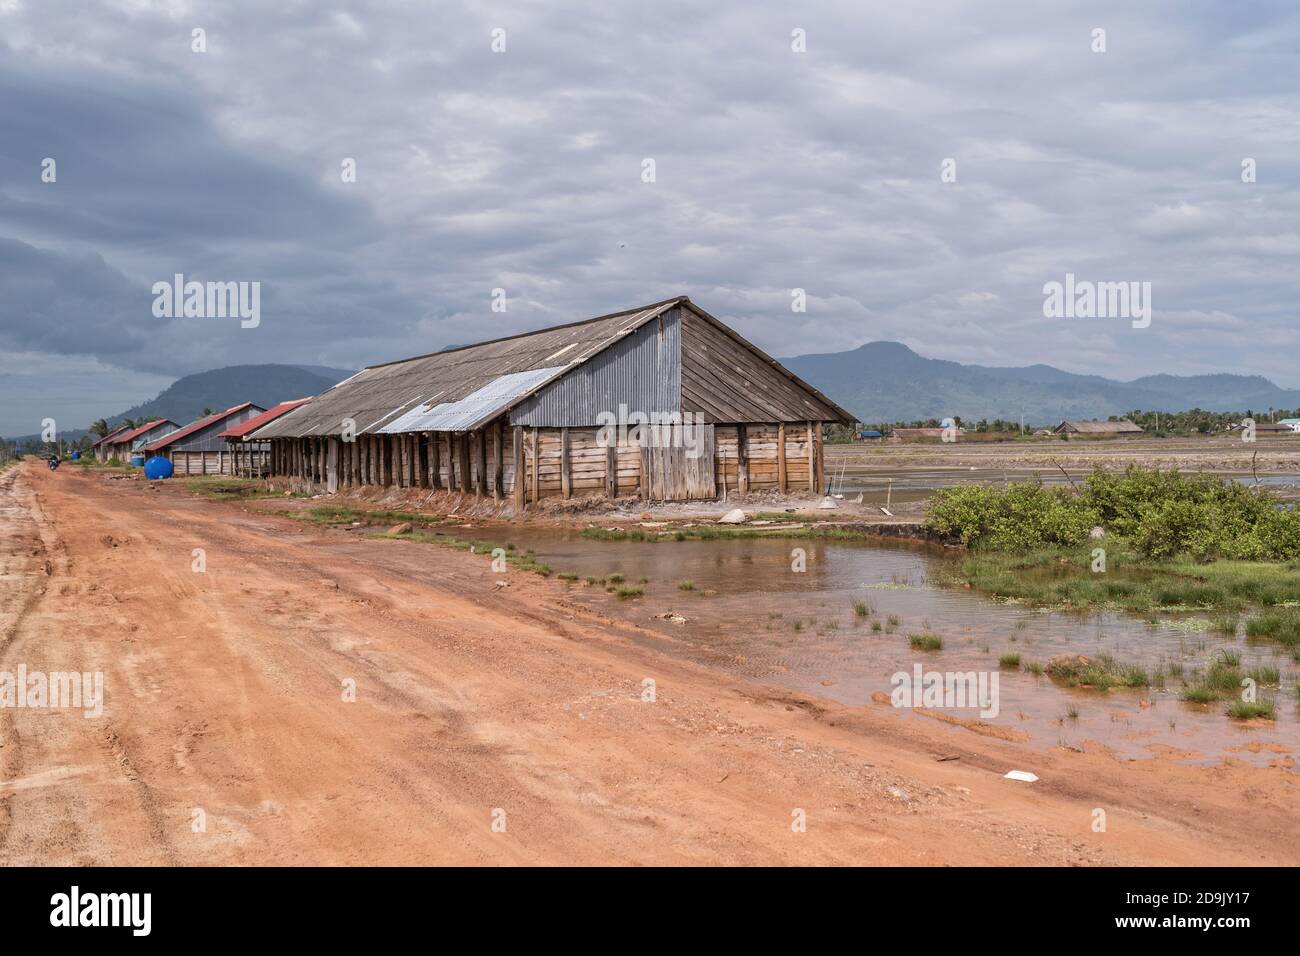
878,382
185,399
888,382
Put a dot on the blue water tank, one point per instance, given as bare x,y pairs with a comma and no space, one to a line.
76,456
137,461
156,468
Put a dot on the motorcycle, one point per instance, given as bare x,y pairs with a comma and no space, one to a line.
54,463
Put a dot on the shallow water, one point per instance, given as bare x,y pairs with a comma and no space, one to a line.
751,614
881,484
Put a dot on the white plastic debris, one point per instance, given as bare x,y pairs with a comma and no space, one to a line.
734,516
828,503
886,511
1024,775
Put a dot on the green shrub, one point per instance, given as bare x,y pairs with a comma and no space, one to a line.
1162,514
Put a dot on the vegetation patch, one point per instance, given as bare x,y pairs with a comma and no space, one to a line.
1163,514
925,642
1101,673
1265,708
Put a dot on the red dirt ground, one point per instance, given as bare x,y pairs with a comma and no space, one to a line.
224,695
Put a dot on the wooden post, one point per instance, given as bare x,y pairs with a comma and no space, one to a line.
742,459
537,467
780,457
462,460
812,460
643,459
480,480
518,489
566,476
498,464
421,459
435,459
611,468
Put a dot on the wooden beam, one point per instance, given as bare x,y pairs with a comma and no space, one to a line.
537,468
462,456
781,478
480,463
643,460
518,489
566,476
742,459
498,462
812,460
435,459
611,468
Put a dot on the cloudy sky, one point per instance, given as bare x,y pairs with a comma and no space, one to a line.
523,170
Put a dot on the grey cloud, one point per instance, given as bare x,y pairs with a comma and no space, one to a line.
775,170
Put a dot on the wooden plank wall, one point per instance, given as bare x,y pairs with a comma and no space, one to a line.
441,460
762,462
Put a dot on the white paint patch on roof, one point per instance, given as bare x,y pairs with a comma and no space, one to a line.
470,411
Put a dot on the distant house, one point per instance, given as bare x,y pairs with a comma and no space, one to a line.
197,448
252,457
101,447
1291,423
920,434
124,444
1118,429
1266,428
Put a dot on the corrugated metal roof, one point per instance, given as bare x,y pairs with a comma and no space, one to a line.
378,396
194,426
475,409
111,435
135,433
1099,428
257,421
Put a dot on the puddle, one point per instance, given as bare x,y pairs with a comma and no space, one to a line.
750,614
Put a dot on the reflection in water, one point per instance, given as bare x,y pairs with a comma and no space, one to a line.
751,614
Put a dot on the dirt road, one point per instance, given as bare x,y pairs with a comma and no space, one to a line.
477,705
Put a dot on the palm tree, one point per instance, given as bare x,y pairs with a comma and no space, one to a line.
100,428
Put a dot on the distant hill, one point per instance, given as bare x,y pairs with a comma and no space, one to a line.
266,385
887,381
185,399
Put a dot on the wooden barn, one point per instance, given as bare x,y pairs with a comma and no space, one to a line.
252,458
198,449
100,448
663,402
133,440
